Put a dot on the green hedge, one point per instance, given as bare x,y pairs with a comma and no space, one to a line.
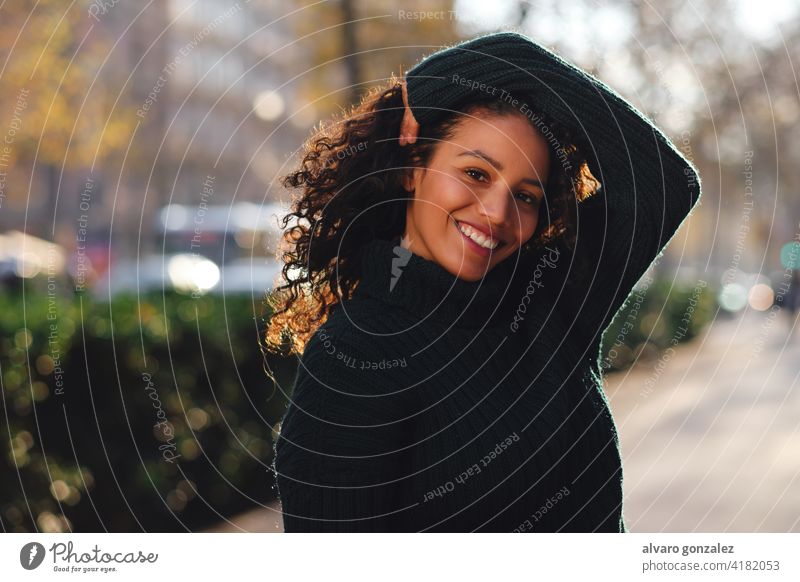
657,315
158,419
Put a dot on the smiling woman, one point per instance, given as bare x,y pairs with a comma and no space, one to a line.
471,241
477,201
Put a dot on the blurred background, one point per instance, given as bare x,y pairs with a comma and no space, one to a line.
142,145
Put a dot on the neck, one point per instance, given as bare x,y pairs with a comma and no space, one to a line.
423,288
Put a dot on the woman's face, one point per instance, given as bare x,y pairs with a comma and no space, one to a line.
478,200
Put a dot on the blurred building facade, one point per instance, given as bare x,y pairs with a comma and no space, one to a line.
211,80
207,85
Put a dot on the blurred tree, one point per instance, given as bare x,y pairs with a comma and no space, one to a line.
724,84
357,45
55,103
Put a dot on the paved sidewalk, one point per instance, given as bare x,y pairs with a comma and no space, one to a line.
261,520
715,444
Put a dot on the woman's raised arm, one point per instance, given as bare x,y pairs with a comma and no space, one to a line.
648,186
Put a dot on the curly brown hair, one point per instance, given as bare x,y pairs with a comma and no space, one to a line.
353,166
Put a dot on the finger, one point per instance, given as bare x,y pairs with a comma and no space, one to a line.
400,138
405,129
413,127
408,126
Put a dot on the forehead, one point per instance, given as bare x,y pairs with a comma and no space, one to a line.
509,139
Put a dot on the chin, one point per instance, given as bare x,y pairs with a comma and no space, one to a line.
467,270
471,277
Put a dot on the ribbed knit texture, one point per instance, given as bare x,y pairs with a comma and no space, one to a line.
430,403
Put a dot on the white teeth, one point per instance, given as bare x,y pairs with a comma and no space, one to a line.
478,237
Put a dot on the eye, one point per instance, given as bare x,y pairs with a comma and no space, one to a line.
471,171
529,198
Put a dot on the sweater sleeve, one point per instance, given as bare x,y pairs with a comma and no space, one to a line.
337,463
647,186
621,230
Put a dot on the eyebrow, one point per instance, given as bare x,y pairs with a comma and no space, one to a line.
498,165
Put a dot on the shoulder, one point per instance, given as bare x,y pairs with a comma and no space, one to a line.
346,372
362,326
350,340
345,399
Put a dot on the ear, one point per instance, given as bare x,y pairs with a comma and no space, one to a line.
408,180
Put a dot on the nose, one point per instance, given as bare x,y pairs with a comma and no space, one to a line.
495,206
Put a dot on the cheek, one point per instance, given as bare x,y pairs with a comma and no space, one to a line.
441,194
527,225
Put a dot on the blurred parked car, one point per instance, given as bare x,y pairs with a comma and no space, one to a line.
217,248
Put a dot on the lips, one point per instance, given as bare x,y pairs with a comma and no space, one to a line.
479,235
476,240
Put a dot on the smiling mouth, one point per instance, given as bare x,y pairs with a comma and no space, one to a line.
480,239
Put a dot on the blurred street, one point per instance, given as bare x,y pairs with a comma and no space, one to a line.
266,520
714,446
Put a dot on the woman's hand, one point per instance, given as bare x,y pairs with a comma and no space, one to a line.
409,126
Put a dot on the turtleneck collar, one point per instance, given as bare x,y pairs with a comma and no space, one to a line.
425,289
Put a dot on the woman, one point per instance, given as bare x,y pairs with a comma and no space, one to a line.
463,238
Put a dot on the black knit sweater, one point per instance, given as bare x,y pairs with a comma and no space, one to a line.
431,403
